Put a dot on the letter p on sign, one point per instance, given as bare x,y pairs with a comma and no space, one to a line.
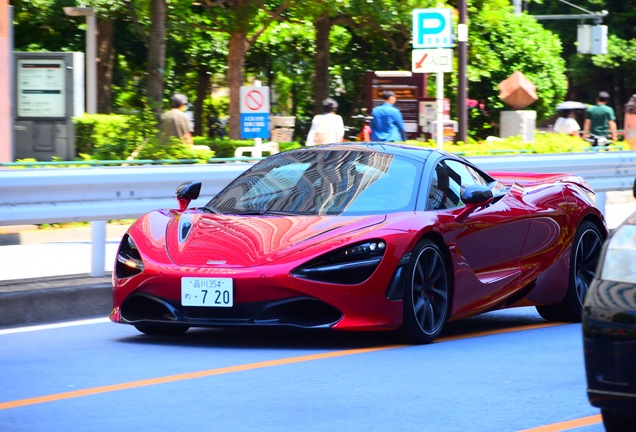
432,28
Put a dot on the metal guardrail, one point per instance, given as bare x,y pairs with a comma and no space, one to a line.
100,194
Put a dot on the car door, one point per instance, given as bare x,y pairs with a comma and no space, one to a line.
485,242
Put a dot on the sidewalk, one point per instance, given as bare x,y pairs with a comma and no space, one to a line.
45,274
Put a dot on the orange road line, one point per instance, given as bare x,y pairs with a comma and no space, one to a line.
567,425
240,368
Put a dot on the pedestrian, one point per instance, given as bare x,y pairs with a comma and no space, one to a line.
387,123
629,126
327,127
175,122
365,133
567,123
600,119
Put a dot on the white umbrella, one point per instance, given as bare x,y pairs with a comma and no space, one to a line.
571,105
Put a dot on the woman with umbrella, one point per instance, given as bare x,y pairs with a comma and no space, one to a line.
566,123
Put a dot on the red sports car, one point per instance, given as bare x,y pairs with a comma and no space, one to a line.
367,236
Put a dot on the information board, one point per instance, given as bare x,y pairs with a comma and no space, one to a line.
41,88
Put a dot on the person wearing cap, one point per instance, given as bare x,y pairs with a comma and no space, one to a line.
175,122
327,127
600,119
387,123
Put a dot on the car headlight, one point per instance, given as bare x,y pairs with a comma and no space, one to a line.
351,265
620,256
129,262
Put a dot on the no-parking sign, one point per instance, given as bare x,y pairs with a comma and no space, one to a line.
254,112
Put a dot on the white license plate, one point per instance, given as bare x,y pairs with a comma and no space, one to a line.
209,292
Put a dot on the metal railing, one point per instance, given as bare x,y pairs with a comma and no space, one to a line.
100,194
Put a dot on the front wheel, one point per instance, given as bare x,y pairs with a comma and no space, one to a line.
586,251
426,294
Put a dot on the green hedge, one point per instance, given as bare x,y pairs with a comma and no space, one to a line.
121,137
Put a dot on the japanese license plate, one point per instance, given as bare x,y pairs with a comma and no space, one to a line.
209,292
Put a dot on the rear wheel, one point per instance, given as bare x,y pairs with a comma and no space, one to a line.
162,329
426,294
586,250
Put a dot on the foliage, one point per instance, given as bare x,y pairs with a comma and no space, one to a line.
544,143
365,35
500,45
121,137
588,74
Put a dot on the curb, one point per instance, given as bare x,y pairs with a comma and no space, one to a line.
61,298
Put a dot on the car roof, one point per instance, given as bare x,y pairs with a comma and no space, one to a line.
414,152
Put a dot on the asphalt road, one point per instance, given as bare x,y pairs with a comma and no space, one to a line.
503,371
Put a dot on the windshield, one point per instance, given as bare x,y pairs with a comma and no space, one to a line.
325,182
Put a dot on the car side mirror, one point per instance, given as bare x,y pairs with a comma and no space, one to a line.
475,194
187,192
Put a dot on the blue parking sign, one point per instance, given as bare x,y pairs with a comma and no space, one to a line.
432,28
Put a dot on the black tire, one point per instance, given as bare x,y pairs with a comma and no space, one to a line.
586,250
615,421
426,294
162,329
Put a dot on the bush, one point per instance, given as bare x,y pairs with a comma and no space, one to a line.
544,142
125,137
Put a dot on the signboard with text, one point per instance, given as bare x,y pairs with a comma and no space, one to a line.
432,60
41,88
408,87
254,107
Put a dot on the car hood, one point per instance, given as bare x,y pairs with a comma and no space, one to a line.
243,241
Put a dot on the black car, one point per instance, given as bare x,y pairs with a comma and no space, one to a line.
609,330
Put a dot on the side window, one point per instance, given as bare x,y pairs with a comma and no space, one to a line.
446,182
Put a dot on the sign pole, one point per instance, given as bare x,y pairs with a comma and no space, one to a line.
439,90
257,141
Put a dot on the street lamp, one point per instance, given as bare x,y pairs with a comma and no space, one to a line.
98,228
91,54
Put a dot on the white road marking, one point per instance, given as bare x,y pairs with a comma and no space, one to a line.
54,326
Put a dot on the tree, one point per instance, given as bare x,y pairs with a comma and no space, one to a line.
588,74
156,56
245,21
501,43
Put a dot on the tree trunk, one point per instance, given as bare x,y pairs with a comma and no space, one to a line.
203,92
157,56
105,64
235,61
321,85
